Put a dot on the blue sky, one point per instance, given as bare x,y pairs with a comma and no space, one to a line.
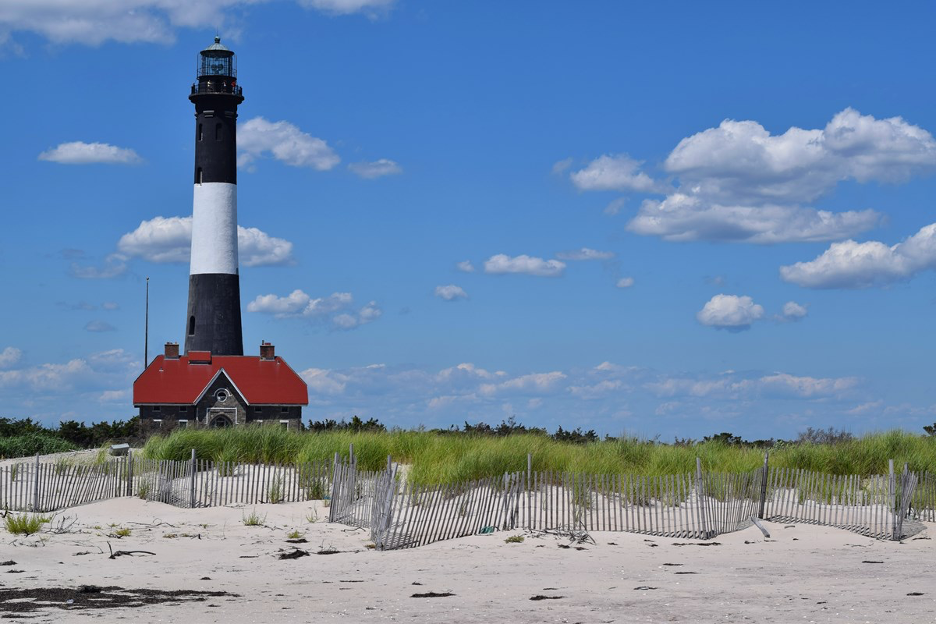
664,219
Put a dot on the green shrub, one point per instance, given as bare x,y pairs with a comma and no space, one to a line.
25,524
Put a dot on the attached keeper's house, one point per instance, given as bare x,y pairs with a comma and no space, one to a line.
199,389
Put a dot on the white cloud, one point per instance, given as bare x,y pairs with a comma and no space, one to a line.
80,153
529,265
114,266
849,264
465,266
337,309
625,282
561,166
375,169
585,254
371,8
615,206
534,382
285,142
110,305
450,292
99,326
793,311
10,357
324,381
742,161
775,385
682,217
614,173
169,239
115,396
598,390
730,312
93,22
738,182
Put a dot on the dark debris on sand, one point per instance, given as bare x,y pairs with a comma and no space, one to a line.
28,600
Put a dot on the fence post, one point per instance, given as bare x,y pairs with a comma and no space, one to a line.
529,491
335,487
192,470
700,492
129,472
891,497
763,489
36,488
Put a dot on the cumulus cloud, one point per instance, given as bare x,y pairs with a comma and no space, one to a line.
614,173
450,292
80,153
322,381
730,312
529,265
793,311
375,169
336,309
465,266
738,182
850,264
97,371
114,265
532,383
285,142
585,254
99,326
775,385
148,21
370,8
169,239
9,357
625,282
682,217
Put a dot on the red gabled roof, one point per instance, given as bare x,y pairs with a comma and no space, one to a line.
181,382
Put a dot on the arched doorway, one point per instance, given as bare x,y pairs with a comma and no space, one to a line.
220,422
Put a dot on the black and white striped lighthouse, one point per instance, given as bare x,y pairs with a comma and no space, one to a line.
214,314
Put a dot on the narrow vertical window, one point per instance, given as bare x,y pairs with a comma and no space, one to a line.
198,175
200,133
218,132
191,326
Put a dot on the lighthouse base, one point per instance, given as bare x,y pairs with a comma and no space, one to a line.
214,314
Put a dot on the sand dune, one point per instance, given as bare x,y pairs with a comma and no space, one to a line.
802,573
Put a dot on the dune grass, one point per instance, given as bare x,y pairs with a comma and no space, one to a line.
441,458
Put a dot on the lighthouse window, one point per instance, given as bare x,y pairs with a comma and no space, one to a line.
198,176
191,322
200,134
218,132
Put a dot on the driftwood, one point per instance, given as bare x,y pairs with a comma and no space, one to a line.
120,553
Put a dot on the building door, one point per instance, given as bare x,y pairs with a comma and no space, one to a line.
221,417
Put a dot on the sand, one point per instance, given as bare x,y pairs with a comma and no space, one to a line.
801,574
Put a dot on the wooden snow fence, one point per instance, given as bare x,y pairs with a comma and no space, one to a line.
402,514
702,505
874,506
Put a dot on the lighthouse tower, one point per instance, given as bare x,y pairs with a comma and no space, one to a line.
214,315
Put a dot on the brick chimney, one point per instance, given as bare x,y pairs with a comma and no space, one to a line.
267,351
172,350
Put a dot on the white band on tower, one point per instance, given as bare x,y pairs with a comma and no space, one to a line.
214,229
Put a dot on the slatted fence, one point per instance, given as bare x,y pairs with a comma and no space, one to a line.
401,514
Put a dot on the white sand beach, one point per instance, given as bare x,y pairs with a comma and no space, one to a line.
801,574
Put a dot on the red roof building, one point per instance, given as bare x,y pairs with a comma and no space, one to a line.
219,391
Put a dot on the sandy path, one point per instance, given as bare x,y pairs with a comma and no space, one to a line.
802,574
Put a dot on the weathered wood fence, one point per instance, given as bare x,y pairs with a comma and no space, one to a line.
402,514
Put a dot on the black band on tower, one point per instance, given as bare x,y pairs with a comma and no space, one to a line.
215,138
214,316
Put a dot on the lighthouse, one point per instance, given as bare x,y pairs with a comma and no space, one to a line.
214,384
213,322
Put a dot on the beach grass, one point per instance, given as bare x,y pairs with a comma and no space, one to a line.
445,458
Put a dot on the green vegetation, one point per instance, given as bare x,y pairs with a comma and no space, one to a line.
295,534
445,456
514,539
254,519
25,524
122,532
21,438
